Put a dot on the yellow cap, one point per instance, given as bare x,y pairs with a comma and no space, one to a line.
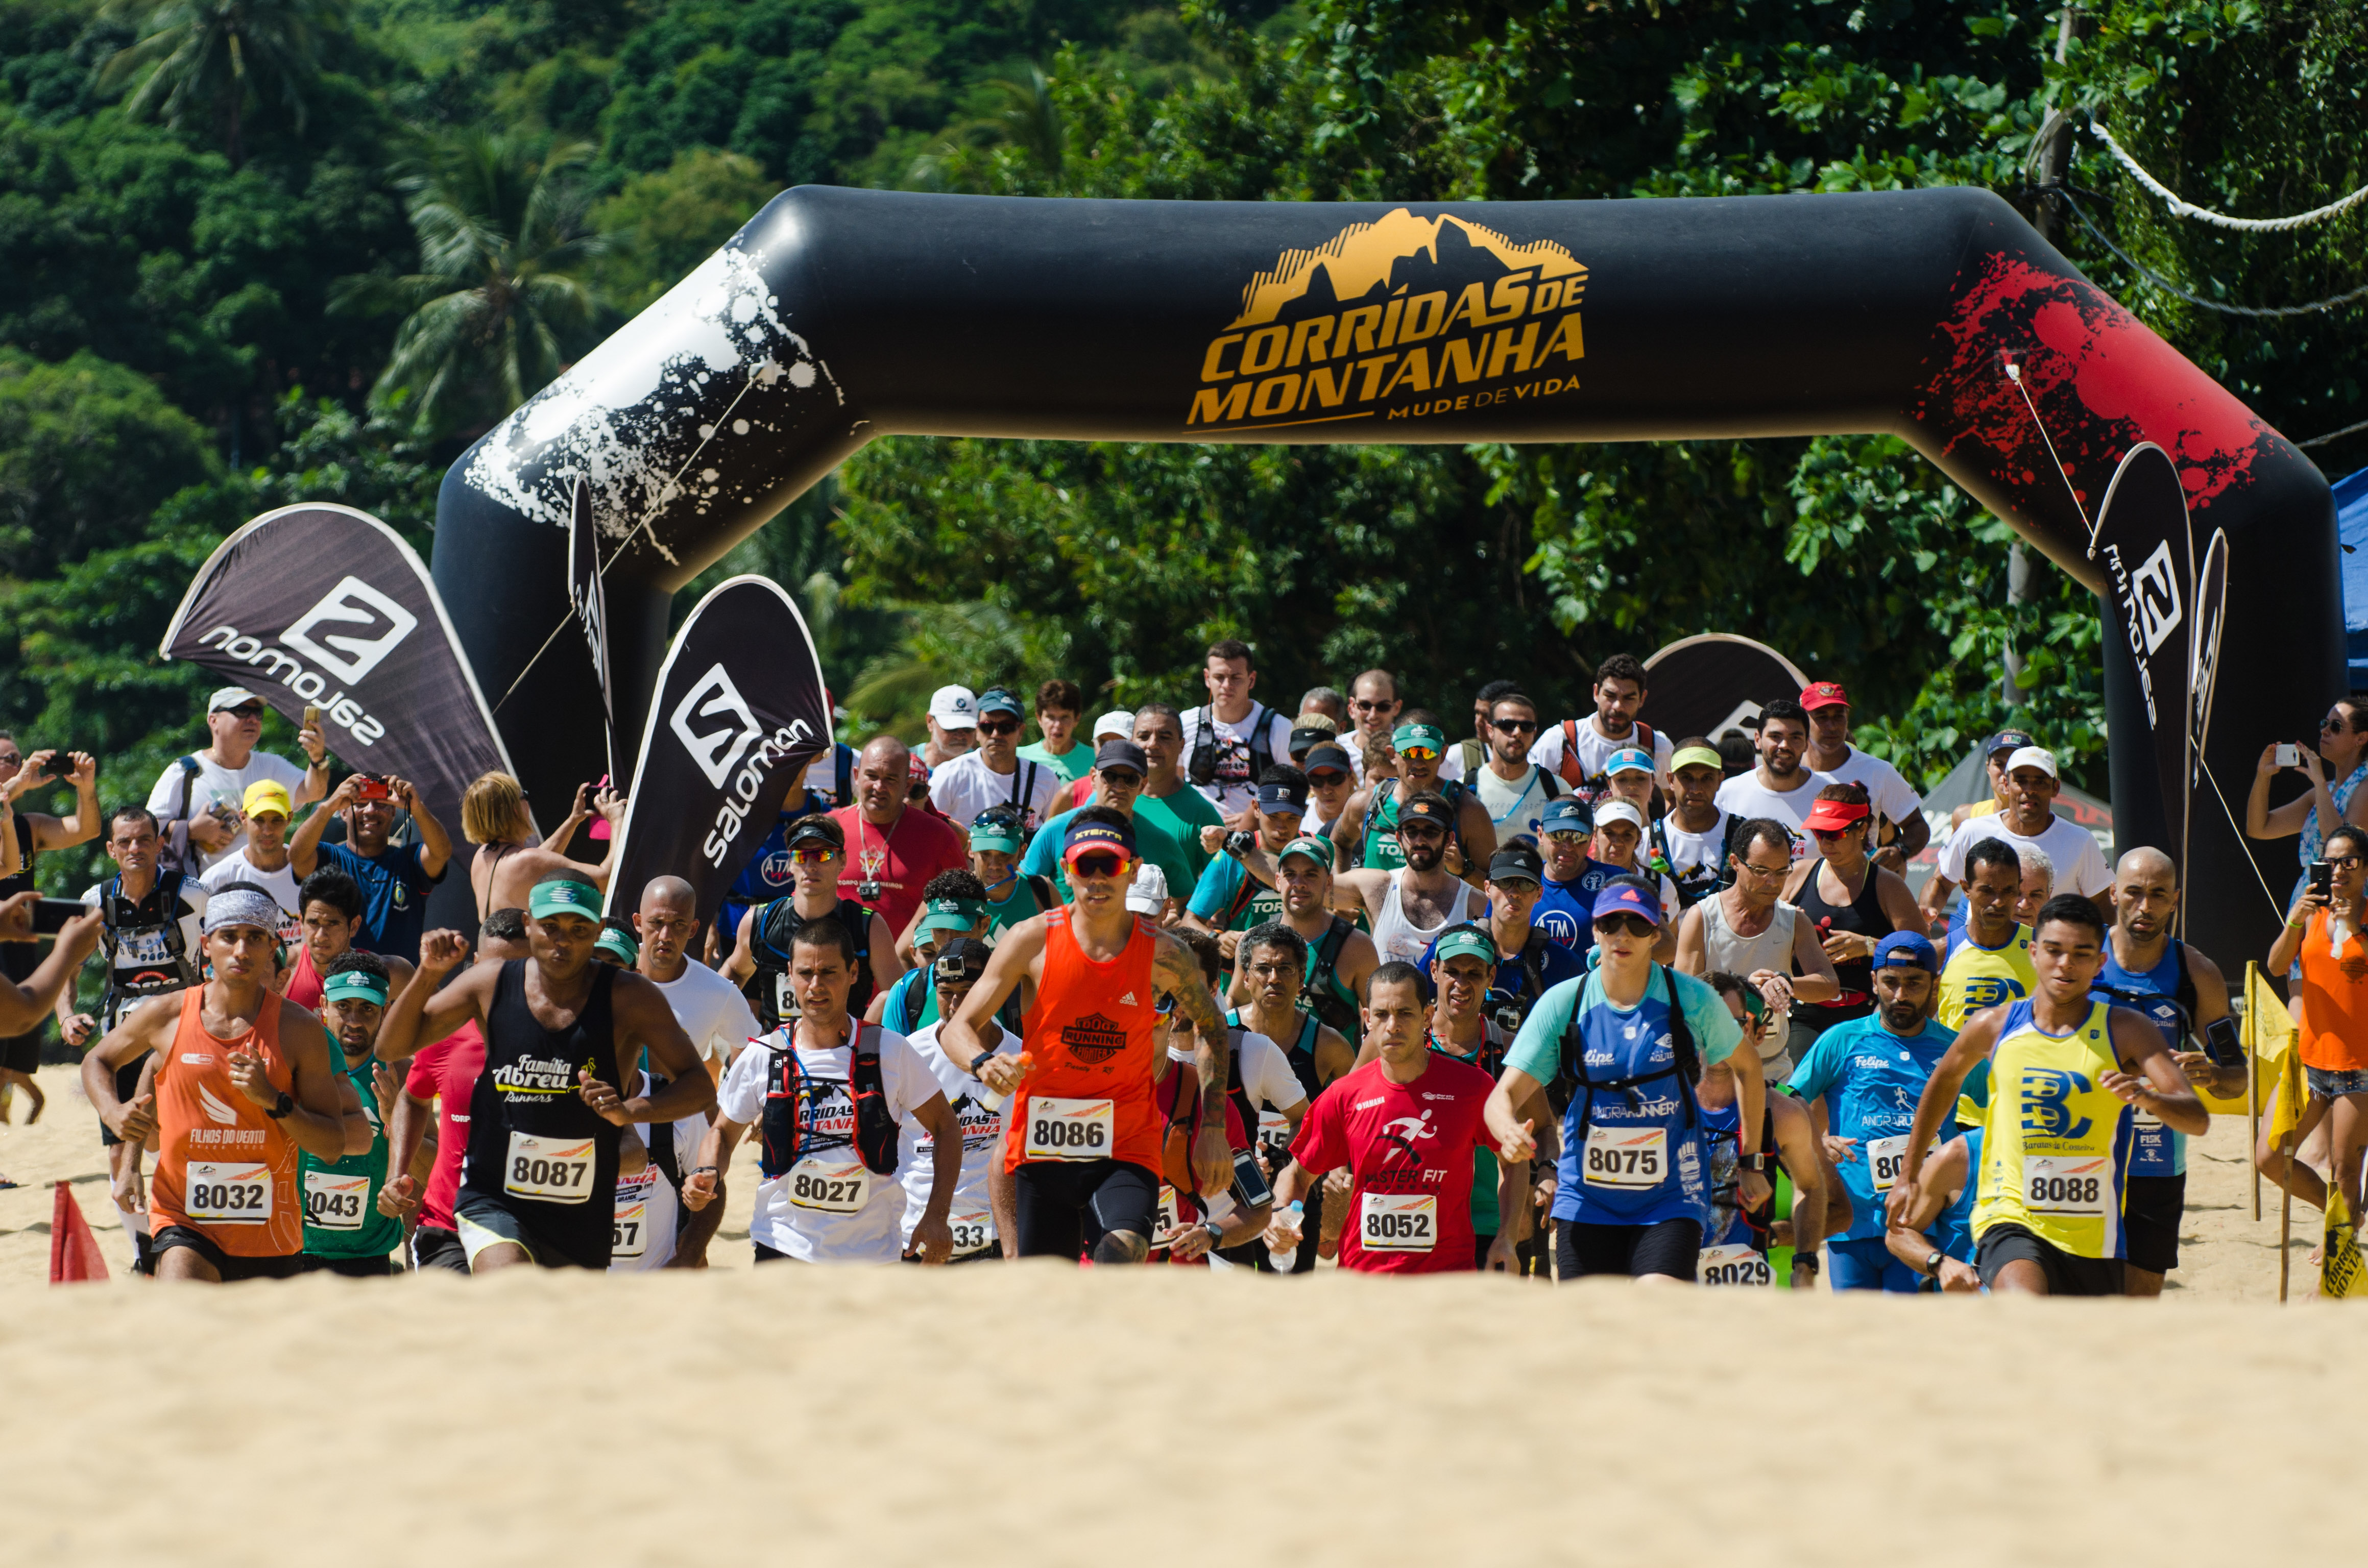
266,796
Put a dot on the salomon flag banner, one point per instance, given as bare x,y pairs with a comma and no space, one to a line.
2143,544
1713,683
326,607
739,712
591,603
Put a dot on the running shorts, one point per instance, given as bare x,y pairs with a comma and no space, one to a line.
433,1246
232,1269
2067,1274
351,1268
488,1222
1066,1207
1866,1264
2151,1208
1672,1248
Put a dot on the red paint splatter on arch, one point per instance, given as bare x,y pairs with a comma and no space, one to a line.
2102,381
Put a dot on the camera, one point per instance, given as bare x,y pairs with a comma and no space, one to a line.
2288,754
370,786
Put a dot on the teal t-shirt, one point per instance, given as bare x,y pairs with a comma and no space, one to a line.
1221,887
1182,815
341,1217
1537,1050
1019,904
1151,842
1071,765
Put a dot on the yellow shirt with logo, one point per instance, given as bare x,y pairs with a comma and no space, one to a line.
2055,1149
1976,977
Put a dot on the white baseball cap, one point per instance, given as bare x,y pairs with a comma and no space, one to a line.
954,708
2033,756
1117,721
1148,894
1619,810
230,696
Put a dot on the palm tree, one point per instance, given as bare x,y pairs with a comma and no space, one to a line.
196,58
1027,118
503,233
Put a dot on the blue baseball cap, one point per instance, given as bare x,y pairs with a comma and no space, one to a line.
1567,815
1628,759
1907,949
1626,898
1085,837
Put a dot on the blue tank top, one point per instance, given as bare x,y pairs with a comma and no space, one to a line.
2156,1151
1871,1080
1633,1150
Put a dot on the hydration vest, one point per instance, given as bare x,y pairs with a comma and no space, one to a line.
1201,767
172,968
1592,789
1685,1063
789,1095
777,923
1317,998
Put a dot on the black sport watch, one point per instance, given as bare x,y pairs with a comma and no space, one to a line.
286,1103
1754,1161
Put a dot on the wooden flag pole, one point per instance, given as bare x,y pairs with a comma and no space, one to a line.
2285,1216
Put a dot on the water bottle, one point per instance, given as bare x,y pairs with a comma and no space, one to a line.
1292,1217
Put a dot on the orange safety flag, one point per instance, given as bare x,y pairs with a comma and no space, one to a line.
74,1251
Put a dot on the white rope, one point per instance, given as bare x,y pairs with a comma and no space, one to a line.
2181,209
2238,829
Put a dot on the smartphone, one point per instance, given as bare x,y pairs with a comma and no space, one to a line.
2289,755
2322,878
371,787
312,717
51,914
2222,1045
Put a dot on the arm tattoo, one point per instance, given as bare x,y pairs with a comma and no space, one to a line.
1177,969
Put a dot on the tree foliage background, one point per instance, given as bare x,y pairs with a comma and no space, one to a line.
209,274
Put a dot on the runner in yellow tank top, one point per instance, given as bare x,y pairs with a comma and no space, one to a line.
2064,1074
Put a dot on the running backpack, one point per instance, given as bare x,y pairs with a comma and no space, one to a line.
769,941
1317,997
1201,769
1686,1063
1573,775
2182,994
120,915
790,1093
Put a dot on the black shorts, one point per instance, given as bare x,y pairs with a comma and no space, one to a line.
2067,1274
22,1053
351,1268
2151,1208
486,1221
1065,1207
232,1269
1672,1248
770,1255
433,1246
127,1087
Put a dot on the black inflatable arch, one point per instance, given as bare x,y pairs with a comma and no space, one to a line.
837,316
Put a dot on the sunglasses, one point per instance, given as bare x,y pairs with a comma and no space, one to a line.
2333,726
1325,777
1008,727
1421,830
813,855
1515,726
1418,753
1372,707
248,712
1124,778
10,758
2345,862
1625,926
1098,866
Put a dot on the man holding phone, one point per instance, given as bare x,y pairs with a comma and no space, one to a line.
2149,970
395,881
205,788
33,833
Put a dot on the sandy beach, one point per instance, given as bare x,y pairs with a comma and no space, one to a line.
1047,1414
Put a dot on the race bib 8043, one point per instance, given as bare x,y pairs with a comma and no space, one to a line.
334,1203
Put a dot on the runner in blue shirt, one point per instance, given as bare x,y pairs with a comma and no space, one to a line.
1871,1072
1633,1186
1565,910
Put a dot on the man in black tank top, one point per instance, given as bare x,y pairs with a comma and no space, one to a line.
539,1183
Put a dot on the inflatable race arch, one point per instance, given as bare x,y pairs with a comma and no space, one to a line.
839,315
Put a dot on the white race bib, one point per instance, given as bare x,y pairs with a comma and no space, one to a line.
973,1230
1169,1220
629,1237
2067,1184
555,1170
1070,1130
1274,1134
334,1203
1626,1156
229,1194
1734,1264
143,946
830,1183
1398,1221
785,1000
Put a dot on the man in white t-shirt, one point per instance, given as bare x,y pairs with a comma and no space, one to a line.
978,1227
1514,790
715,1017
1832,757
1689,843
218,780
995,774
2026,815
1781,788
1575,749
829,1192
263,860
953,725
1220,739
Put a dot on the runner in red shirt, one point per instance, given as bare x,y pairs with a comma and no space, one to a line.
1405,1124
1085,1147
443,1075
328,911
892,849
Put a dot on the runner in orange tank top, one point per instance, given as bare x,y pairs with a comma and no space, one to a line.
1082,1151
242,1082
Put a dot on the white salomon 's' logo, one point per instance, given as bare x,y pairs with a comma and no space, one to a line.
2155,591
350,656
717,751
215,1109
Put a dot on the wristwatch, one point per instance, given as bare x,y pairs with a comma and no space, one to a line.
1754,1161
981,1060
1216,1233
1804,1260
1932,1263
286,1103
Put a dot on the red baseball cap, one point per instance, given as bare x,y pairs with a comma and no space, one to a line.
1823,694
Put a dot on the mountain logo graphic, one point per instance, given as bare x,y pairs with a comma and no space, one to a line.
216,1111
1392,320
